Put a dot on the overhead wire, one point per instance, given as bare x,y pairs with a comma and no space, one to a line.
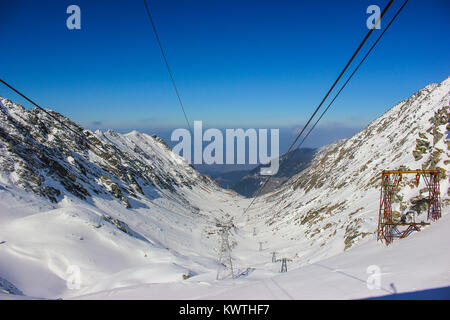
255,196
78,133
354,71
51,115
158,40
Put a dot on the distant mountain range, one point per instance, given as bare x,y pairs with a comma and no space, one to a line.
290,164
247,181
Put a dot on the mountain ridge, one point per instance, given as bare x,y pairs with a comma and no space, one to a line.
133,212
337,197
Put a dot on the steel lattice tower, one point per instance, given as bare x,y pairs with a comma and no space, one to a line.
283,264
225,252
274,256
388,229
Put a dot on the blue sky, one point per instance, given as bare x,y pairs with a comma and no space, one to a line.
260,64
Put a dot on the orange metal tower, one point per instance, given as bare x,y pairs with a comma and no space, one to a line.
387,228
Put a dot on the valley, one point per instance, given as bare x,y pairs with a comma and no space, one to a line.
137,221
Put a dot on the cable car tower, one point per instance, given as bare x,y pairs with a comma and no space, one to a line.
225,249
388,229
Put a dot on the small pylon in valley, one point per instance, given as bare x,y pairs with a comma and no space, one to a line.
260,246
284,264
274,256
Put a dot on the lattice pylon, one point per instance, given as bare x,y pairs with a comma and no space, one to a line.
387,229
225,253
434,198
284,262
385,221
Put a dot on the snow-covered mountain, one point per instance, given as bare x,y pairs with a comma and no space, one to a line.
290,164
133,217
44,156
127,201
333,204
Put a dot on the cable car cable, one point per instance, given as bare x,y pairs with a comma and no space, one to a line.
356,69
50,115
323,100
147,9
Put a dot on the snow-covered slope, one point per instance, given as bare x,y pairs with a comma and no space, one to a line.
138,221
369,270
128,202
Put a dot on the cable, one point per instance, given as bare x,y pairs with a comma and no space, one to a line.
166,63
50,115
342,72
181,103
356,69
78,133
323,100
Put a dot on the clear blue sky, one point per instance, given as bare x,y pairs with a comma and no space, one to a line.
240,63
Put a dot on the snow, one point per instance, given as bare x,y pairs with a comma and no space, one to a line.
116,266
405,266
343,178
166,245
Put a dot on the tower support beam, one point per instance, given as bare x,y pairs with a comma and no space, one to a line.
387,229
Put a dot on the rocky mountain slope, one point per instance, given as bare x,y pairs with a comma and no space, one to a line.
122,201
46,157
129,213
333,204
